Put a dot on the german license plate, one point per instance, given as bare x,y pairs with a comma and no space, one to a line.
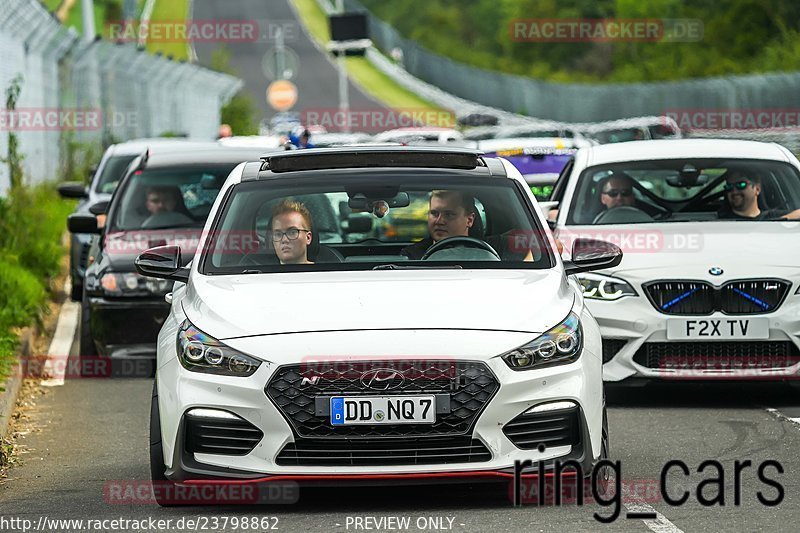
717,328
373,410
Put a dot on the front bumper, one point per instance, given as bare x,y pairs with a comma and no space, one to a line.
127,328
246,398
636,345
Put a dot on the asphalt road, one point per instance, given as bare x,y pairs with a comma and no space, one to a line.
315,76
94,435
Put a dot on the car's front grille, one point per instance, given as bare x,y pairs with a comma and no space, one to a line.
297,390
222,436
558,427
383,451
742,297
721,355
611,347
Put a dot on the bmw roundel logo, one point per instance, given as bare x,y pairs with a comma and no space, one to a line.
715,271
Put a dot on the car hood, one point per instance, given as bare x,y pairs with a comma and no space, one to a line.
262,304
122,247
742,249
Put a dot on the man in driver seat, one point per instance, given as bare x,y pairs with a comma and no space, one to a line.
451,213
741,195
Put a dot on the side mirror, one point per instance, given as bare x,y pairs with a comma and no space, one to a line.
162,262
73,189
592,254
81,223
100,208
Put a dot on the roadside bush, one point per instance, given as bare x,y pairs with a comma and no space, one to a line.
31,249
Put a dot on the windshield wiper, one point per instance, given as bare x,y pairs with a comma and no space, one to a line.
251,271
392,266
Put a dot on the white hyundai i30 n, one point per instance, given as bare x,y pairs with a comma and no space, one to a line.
307,342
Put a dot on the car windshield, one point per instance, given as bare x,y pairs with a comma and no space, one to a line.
355,220
112,172
169,198
685,190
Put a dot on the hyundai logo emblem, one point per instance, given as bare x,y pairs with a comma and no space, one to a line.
382,379
715,271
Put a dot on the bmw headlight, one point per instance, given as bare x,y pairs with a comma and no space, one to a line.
200,352
597,287
133,284
560,345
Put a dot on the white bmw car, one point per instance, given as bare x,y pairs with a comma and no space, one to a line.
290,357
708,287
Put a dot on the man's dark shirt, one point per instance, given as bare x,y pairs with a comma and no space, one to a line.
726,213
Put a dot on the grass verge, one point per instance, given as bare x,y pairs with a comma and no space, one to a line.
31,227
370,79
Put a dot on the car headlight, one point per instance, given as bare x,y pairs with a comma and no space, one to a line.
133,284
560,345
200,352
597,287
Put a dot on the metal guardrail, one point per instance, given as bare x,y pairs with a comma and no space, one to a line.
135,94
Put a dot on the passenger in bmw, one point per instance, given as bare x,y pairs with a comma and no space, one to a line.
451,213
291,232
742,193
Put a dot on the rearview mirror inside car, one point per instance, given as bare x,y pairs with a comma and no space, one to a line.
592,254
82,223
362,202
73,189
162,262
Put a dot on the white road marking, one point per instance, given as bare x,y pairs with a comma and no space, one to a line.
634,504
778,414
58,353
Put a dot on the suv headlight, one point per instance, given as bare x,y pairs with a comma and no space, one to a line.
133,284
597,287
200,352
560,345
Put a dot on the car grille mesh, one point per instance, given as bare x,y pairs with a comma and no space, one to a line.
559,427
376,452
294,390
717,355
742,297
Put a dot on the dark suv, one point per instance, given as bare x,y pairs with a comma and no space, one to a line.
164,198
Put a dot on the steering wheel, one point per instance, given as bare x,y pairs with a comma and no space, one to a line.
625,214
460,241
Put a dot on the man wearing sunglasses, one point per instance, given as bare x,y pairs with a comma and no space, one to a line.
617,191
741,193
290,232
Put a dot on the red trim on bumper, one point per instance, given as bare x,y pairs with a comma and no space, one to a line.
378,477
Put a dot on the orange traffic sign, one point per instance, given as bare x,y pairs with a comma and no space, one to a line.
282,95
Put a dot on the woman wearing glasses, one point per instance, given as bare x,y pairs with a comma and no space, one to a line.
291,232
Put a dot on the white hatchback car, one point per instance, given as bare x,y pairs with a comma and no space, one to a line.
392,360
708,288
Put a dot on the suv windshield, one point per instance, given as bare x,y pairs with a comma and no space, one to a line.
112,173
358,220
685,190
169,198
